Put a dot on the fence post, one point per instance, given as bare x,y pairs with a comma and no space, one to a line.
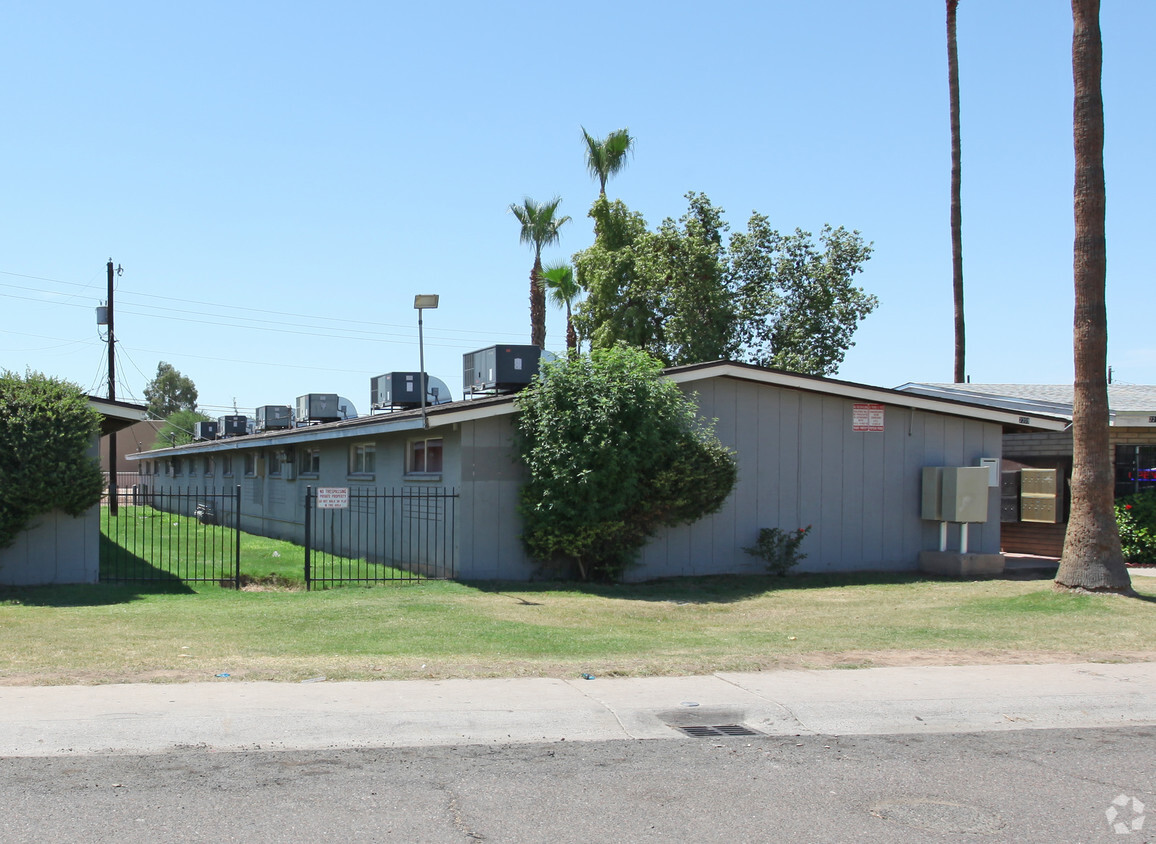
308,537
237,533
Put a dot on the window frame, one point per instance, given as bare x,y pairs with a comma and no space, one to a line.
362,459
420,467
309,461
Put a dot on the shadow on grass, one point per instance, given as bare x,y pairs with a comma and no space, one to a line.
711,589
116,564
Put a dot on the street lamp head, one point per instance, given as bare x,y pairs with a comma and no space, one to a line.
425,300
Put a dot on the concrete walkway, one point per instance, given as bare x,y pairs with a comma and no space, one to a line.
234,716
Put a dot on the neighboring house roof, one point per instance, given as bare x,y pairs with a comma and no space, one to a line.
1129,404
480,408
117,415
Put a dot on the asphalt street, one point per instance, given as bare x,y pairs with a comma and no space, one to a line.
978,753
1028,785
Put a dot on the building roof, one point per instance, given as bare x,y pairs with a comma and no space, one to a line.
117,415
1129,404
479,408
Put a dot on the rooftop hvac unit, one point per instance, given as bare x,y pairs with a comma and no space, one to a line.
204,431
274,417
318,407
232,426
500,369
402,391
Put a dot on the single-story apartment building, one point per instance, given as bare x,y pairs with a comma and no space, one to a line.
1131,438
59,548
845,458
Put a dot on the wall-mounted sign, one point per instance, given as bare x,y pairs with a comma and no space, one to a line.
867,417
333,498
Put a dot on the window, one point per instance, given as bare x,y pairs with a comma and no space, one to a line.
424,457
250,464
227,465
274,463
310,461
1135,469
207,465
362,459
178,466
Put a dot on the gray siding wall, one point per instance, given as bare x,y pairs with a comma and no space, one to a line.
56,549
273,504
489,524
801,464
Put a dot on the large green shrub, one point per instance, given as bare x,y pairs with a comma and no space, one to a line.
613,451
46,429
1136,519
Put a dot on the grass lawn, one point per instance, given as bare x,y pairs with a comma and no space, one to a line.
177,633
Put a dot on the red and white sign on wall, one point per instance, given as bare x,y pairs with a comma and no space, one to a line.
333,498
867,417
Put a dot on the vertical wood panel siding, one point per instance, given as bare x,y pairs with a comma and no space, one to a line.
800,463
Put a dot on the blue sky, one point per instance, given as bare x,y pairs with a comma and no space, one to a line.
279,180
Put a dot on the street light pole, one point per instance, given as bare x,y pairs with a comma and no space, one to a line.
421,302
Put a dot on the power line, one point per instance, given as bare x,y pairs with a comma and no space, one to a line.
224,306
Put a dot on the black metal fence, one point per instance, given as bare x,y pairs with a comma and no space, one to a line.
186,535
373,535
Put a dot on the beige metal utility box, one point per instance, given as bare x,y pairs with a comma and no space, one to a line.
1039,495
955,493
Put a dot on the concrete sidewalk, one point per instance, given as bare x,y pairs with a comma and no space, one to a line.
234,716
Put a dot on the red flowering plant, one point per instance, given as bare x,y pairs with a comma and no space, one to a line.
1136,521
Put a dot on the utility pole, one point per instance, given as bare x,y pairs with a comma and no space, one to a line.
112,490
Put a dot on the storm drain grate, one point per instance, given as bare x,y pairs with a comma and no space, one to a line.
718,730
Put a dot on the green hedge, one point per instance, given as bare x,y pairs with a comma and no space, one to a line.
46,429
1136,519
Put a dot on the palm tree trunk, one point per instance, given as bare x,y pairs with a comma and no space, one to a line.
1092,559
956,214
537,305
571,334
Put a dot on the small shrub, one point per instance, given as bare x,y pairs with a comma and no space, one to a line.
779,548
1136,520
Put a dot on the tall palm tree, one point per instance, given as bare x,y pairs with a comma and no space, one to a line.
606,156
956,216
540,227
1092,559
562,288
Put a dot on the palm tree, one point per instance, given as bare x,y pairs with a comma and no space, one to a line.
561,286
607,156
956,216
540,225
1092,559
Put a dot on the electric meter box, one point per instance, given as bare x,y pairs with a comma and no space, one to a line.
274,417
318,407
955,493
500,368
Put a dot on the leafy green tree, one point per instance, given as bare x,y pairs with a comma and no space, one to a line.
621,306
798,305
684,262
169,392
178,428
770,299
613,451
605,157
540,227
47,429
562,289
